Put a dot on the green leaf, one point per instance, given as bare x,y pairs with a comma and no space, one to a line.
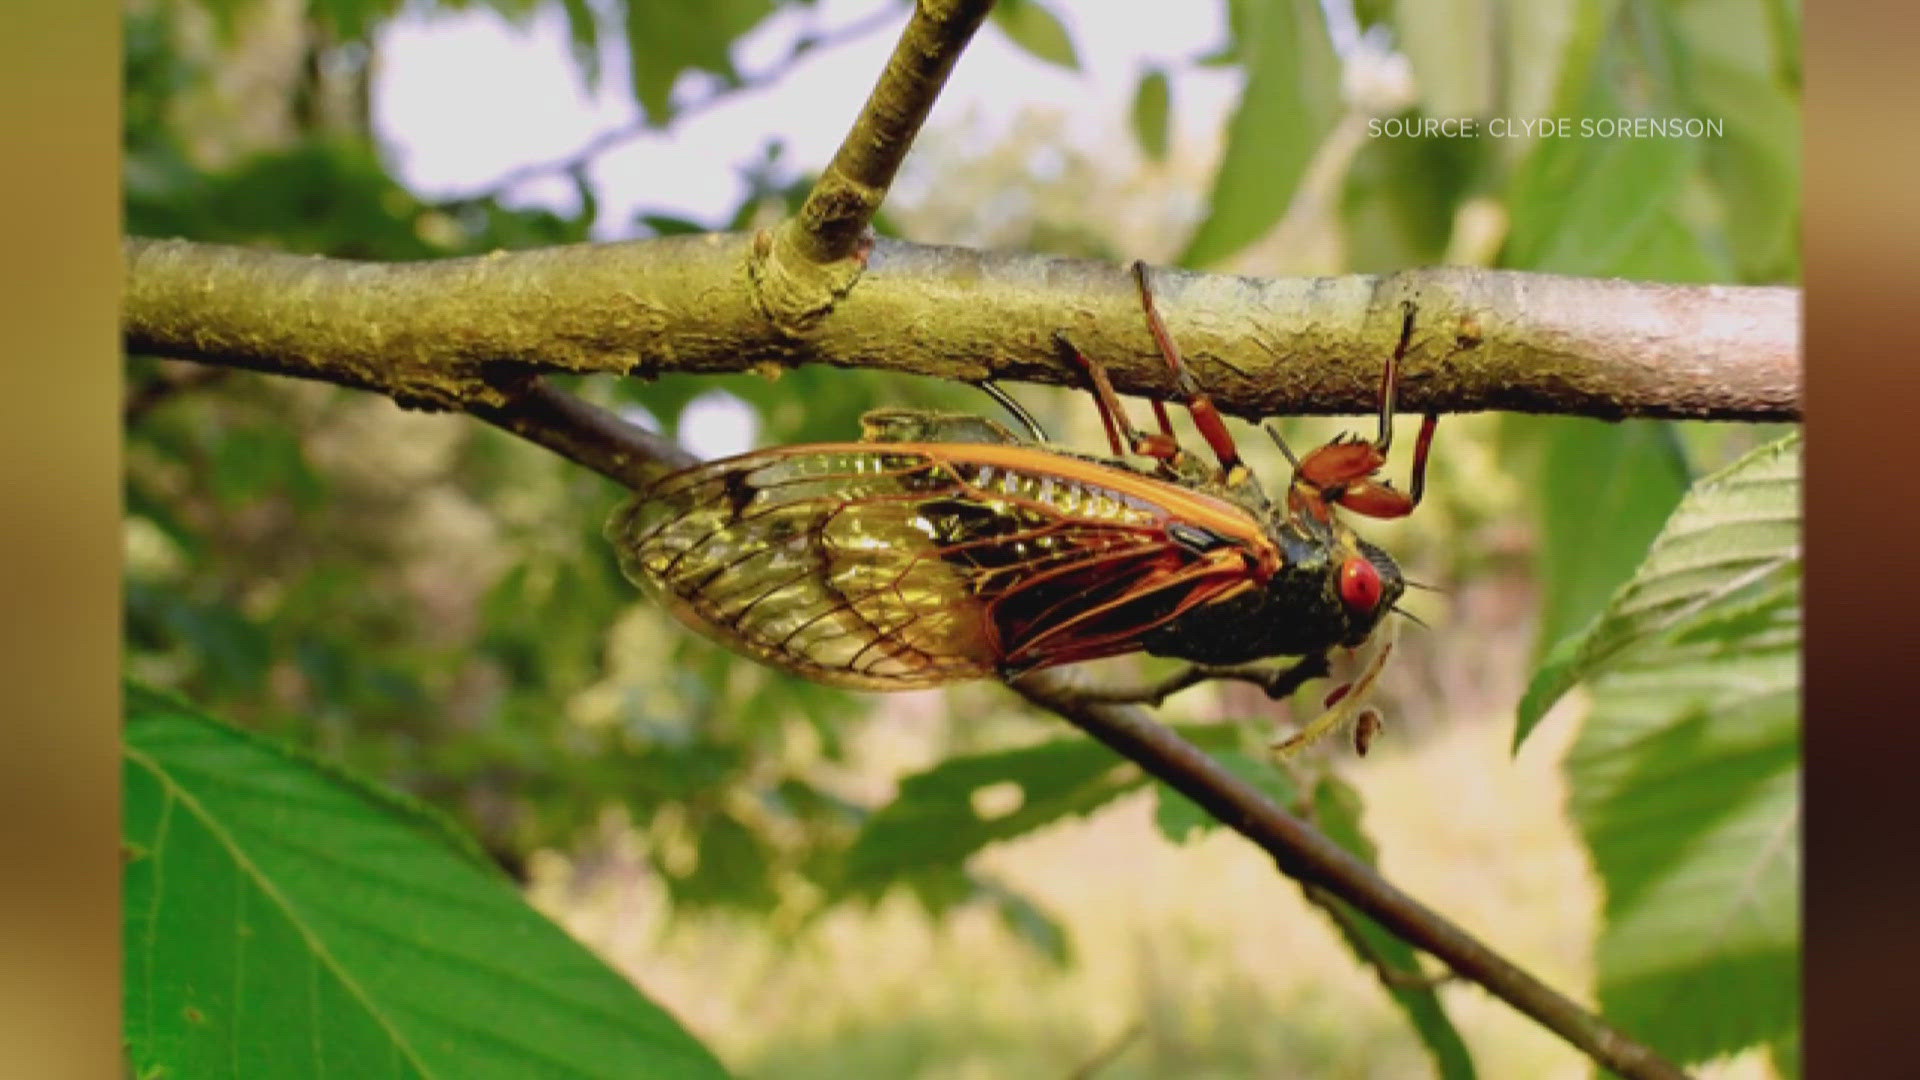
1595,205
1402,196
1582,206
1028,921
1685,779
667,37
1337,811
1290,103
1450,46
669,225
252,463
943,815
1685,783
1028,24
286,919
731,870
1596,523
1550,35
229,649
583,40
1152,112
1180,818
1735,534
1785,1056
1756,167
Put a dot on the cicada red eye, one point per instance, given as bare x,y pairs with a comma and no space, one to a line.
1359,585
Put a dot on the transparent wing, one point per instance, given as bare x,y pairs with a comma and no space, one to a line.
893,566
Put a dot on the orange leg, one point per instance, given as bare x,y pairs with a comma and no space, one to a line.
1343,470
1205,416
1121,434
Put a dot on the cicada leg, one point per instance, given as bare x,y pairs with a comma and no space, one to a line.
1347,703
1007,402
1343,470
1277,682
1206,417
1122,436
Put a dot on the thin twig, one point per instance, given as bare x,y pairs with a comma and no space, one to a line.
799,271
805,47
623,452
843,201
1297,848
1306,855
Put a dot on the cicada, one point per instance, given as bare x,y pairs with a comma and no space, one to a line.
942,548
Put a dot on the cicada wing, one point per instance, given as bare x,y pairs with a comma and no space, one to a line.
810,560
892,567
1107,606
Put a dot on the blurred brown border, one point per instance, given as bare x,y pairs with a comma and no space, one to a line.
59,564
59,570
1863,591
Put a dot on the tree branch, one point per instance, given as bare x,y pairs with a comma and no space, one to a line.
584,433
440,333
1306,855
845,198
801,270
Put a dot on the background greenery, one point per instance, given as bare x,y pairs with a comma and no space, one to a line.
428,604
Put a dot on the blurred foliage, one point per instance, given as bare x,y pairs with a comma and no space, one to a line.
429,601
1336,808
1038,31
1153,113
1291,100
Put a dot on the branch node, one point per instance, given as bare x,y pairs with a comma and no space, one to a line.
794,292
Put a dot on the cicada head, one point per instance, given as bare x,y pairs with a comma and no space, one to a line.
1347,584
1370,585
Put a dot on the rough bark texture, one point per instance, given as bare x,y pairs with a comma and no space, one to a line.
445,333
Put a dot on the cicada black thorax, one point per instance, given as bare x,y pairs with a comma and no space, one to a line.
1298,610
